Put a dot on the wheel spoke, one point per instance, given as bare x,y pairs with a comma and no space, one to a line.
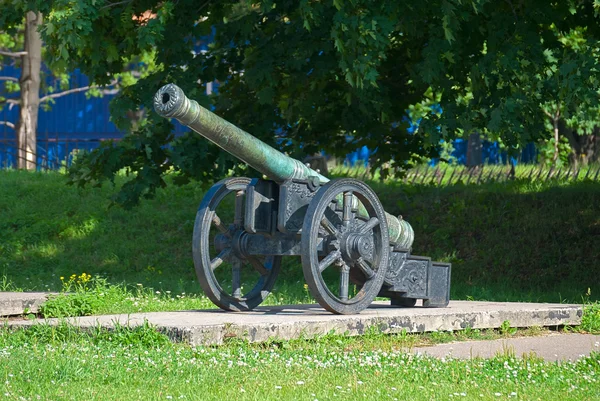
258,266
347,210
329,259
328,225
219,224
365,268
216,262
239,209
372,223
236,290
344,281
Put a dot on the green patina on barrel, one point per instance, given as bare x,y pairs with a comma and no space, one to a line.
171,102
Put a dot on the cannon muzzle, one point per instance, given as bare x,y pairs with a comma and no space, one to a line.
171,102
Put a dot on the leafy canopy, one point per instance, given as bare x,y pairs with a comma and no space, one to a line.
330,75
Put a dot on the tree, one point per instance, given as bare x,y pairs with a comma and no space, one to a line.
29,84
21,44
332,75
535,74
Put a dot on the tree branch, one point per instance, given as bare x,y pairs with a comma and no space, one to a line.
67,92
10,101
12,54
9,79
109,5
63,93
8,124
75,90
547,113
113,91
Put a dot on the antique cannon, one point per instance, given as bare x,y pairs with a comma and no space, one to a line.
351,250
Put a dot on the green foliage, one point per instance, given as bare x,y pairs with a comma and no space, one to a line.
143,335
332,76
482,228
81,295
446,149
54,76
506,330
10,41
338,49
590,321
85,295
546,152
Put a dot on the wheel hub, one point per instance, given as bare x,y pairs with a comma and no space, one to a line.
221,242
238,244
354,244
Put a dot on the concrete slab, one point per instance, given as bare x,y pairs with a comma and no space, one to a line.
289,322
555,347
17,303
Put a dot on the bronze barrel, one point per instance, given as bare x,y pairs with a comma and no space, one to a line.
171,102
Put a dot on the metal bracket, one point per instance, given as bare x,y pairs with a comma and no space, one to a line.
262,198
294,198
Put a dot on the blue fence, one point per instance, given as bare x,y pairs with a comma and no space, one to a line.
74,121
491,154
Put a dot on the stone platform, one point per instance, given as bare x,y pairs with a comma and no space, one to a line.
19,303
288,322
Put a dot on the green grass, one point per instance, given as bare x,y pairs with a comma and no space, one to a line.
517,241
64,363
508,241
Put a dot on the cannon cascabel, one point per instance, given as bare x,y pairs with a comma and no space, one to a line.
171,102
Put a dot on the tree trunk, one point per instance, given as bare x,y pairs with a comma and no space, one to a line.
585,148
30,93
474,150
556,137
591,146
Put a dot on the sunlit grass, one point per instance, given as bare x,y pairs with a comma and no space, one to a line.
83,295
65,363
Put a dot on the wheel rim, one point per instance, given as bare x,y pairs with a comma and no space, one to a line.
335,234
230,280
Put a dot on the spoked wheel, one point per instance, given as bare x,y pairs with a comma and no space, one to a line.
231,280
345,243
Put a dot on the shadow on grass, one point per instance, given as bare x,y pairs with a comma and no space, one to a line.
49,230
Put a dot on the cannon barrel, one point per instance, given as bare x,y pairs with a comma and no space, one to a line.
171,102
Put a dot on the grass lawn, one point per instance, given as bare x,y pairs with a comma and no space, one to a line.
63,363
511,241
